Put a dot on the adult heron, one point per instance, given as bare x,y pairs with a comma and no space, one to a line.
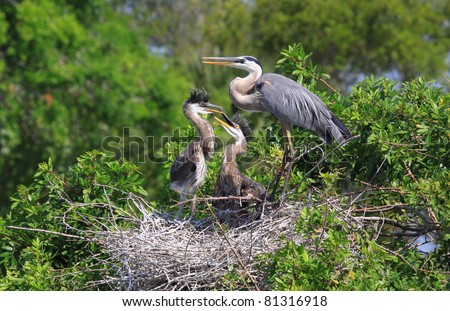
288,101
230,181
188,171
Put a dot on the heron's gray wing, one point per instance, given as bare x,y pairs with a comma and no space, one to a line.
182,168
294,104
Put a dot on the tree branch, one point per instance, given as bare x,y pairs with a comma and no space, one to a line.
51,232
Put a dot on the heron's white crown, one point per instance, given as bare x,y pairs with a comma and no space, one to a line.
247,63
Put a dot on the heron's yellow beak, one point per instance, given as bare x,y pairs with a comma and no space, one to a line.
230,123
214,108
224,124
221,61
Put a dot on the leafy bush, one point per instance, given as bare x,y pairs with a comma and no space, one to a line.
392,176
52,253
73,76
336,258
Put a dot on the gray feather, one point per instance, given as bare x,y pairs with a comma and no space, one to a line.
182,169
292,103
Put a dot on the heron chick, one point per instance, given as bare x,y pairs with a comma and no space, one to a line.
230,181
188,171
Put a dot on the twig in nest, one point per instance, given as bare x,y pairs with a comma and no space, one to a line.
222,231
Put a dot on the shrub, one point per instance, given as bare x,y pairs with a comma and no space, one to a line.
52,253
391,177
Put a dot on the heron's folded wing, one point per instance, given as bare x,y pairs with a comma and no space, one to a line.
292,103
182,169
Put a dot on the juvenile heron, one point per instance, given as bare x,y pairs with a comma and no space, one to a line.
188,171
231,182
288,101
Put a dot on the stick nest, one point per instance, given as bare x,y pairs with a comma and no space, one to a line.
161,253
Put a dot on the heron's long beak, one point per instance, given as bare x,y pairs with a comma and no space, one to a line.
214,108
221,61
229,124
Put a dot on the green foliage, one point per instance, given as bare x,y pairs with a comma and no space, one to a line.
72,75
294,61
54,203
343,260
350,36
393,172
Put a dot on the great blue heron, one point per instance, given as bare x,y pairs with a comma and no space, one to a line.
230,181
188,171
288,101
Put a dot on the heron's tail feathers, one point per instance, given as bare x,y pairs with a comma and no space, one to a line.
336,131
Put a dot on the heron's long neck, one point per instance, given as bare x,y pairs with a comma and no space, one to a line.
234,150
206,132
242,93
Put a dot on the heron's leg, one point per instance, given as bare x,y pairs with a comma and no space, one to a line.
289,162
286,165
183,198
193,207
278,175
290,143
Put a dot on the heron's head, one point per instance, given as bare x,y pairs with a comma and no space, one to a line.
236,127
198,102
248,63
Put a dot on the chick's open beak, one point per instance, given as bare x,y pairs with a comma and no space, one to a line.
224,124
228,124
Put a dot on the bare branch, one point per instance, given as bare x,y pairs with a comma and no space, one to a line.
51,232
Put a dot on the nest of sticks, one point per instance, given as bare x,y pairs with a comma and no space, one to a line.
161,253
158,252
